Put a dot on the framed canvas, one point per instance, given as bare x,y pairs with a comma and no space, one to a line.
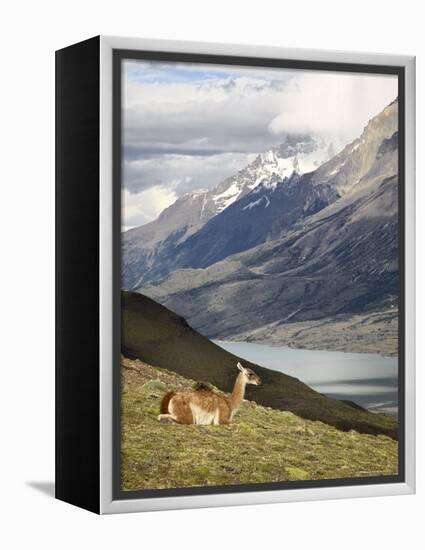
235,274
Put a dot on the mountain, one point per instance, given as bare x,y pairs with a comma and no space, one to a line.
258,205
147,250
157,336
261,215
347,168
299,152
188,456
330,265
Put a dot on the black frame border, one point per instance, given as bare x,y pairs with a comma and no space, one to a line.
77,180
162,56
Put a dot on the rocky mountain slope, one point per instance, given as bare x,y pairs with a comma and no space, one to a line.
345,170
262,445
276,204
148,251
338,261
261,215
159,337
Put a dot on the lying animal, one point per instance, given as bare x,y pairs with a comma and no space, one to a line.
206,406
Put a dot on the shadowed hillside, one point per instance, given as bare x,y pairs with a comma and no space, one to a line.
157,336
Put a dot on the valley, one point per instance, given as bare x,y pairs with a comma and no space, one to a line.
320,249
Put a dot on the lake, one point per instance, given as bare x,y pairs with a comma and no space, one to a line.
369,380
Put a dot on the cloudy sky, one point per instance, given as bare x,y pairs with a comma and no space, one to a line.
188,126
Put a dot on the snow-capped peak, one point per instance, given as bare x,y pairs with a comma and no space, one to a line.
298,153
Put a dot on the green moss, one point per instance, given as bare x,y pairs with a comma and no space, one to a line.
297,473
154,387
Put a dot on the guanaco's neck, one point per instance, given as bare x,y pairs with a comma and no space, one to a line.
236,397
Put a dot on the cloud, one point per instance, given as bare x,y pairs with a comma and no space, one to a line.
188,126
143,207
182,173
333,104
230,115
178,72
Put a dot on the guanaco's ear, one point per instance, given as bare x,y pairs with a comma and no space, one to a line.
240,367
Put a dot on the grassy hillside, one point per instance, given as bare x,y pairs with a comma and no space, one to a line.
157,336
260,446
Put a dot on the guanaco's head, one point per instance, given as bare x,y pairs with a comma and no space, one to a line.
249,375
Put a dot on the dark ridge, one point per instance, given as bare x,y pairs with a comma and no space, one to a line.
353,405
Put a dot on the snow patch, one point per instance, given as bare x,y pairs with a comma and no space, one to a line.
269,169
291,315
257,203
227,197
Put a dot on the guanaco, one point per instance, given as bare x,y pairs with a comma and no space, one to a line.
206,406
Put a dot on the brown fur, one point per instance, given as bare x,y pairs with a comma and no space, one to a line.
165,401
206,406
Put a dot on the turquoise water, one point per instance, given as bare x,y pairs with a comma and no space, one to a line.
369,380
